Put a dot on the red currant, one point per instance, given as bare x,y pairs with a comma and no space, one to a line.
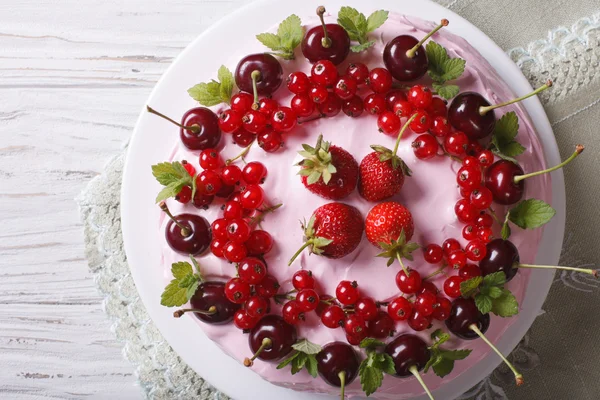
333,317
442,309
208,182
485,234
267,106
302,105
440,126
420,96
380,80
347,292
428,286
284,119
449,246
432,253
469,271
242,102
268,287
425,303
393,97
408,284
256,306
469,177
366,308
456,143
242,320
353,107
388,123
425,147
217,246
270,141
254,173
185,195
374,103
318,94
355,325
298,83
481,198
355,340
252,197
359,72
230,121
403,108
421,123
476,250
484,220
324,73
232,210
400,309
469,232
345,88
438,107
382,326
307,299
225,191
330,107
470,161
231,175
259,243
234,252
237,291
189,168
254,121
252,270
243,138
486,158
457,259
418,321
465,212
219,228
303,279
292,313
452,286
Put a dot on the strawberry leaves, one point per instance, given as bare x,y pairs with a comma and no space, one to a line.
214,92
317,163
504,144
442,361
181,289
442,69
490,294
303,358
317,243
359,26
398,249
289,36
173,176
528,214
386,154
371,369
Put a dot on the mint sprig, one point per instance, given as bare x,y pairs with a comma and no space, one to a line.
371,369
214,92
173,176
528,214
504,144
289,36
442,361
490,295
442,69
184,285
359,26
303,358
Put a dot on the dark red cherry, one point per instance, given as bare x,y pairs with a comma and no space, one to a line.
397,61
211,294
464,115
408,351
269,79
501,256
275,330
465,313
326,42
382,326
338,364
193,239
500,180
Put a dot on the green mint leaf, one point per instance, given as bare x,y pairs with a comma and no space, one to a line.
370,343
453,68
197,267
287,361
191,289
446,91
387,364
376,19
512,149
495,279
311,365
171,190
434,358
298,363
207,94
442,69
270,40
355,23
350,27
505,232
494,292
502,155
226,78
370,373
470,286
443,367
531,214
290,33
439,337
436,56
181,269
505,305
483,303
167,172
174,295
181,289
507,127
187,281
306,347
456,355
362,47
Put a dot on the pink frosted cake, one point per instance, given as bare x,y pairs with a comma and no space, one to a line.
442,198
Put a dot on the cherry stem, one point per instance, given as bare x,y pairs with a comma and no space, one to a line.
300,250
309,119
326,41
193,128
255,75
266,342
415,372
211,310
342,376
484,110
399,258
518,376
411,53
185,231
263,212
241,155
411,119
578,149
593,272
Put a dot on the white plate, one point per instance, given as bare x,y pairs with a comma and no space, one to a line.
148,146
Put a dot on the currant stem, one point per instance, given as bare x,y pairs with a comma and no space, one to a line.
484,110
411,53
241,155
211,310
309,119
266,343
261,217
342,376
578,149
300,250
417,375
593,272
255,75
326,41
185,231
518,376
493,214
193,128
439,271
411,119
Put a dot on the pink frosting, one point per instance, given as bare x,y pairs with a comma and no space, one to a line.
430,195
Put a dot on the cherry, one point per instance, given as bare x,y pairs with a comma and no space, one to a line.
465,212
217,246
337,364
268,287
252,270
353,107
298,83
421,122
408,283
374,103
254,173
355,325
237,290
432,253
234,252
501,255
326,42
345,88
209,304
405,57
242,102
292,312
318,94
419,322
366,308
425,303
449,246
438,107
256,306
266,81
259,243
442,309
230,121
243,138
303,279
187,233
267,106
307,299
302,105
252,197
254,122
347,292
333,317
330,107
403,108
469,177
380,80
452,286
271,339
456,143
199,128
440,126
388,123
359,72
270,141
475,250
457,259
231,175
425,147
394,96
420,96
382,326
410,355
469,271
208,182
185,195
242,320
400,309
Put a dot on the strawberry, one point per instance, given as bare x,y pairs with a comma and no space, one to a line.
389,226
328,171
381,173
334,231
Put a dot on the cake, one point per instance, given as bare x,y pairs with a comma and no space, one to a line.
435,198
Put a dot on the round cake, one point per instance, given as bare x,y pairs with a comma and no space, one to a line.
407,249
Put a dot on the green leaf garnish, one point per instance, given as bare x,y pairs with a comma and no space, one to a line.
490,294
531,214
470,286
442,69
173,176
303,357
506,305
289,36
371,369
214,92
358,26
442,361
503,139
181,289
